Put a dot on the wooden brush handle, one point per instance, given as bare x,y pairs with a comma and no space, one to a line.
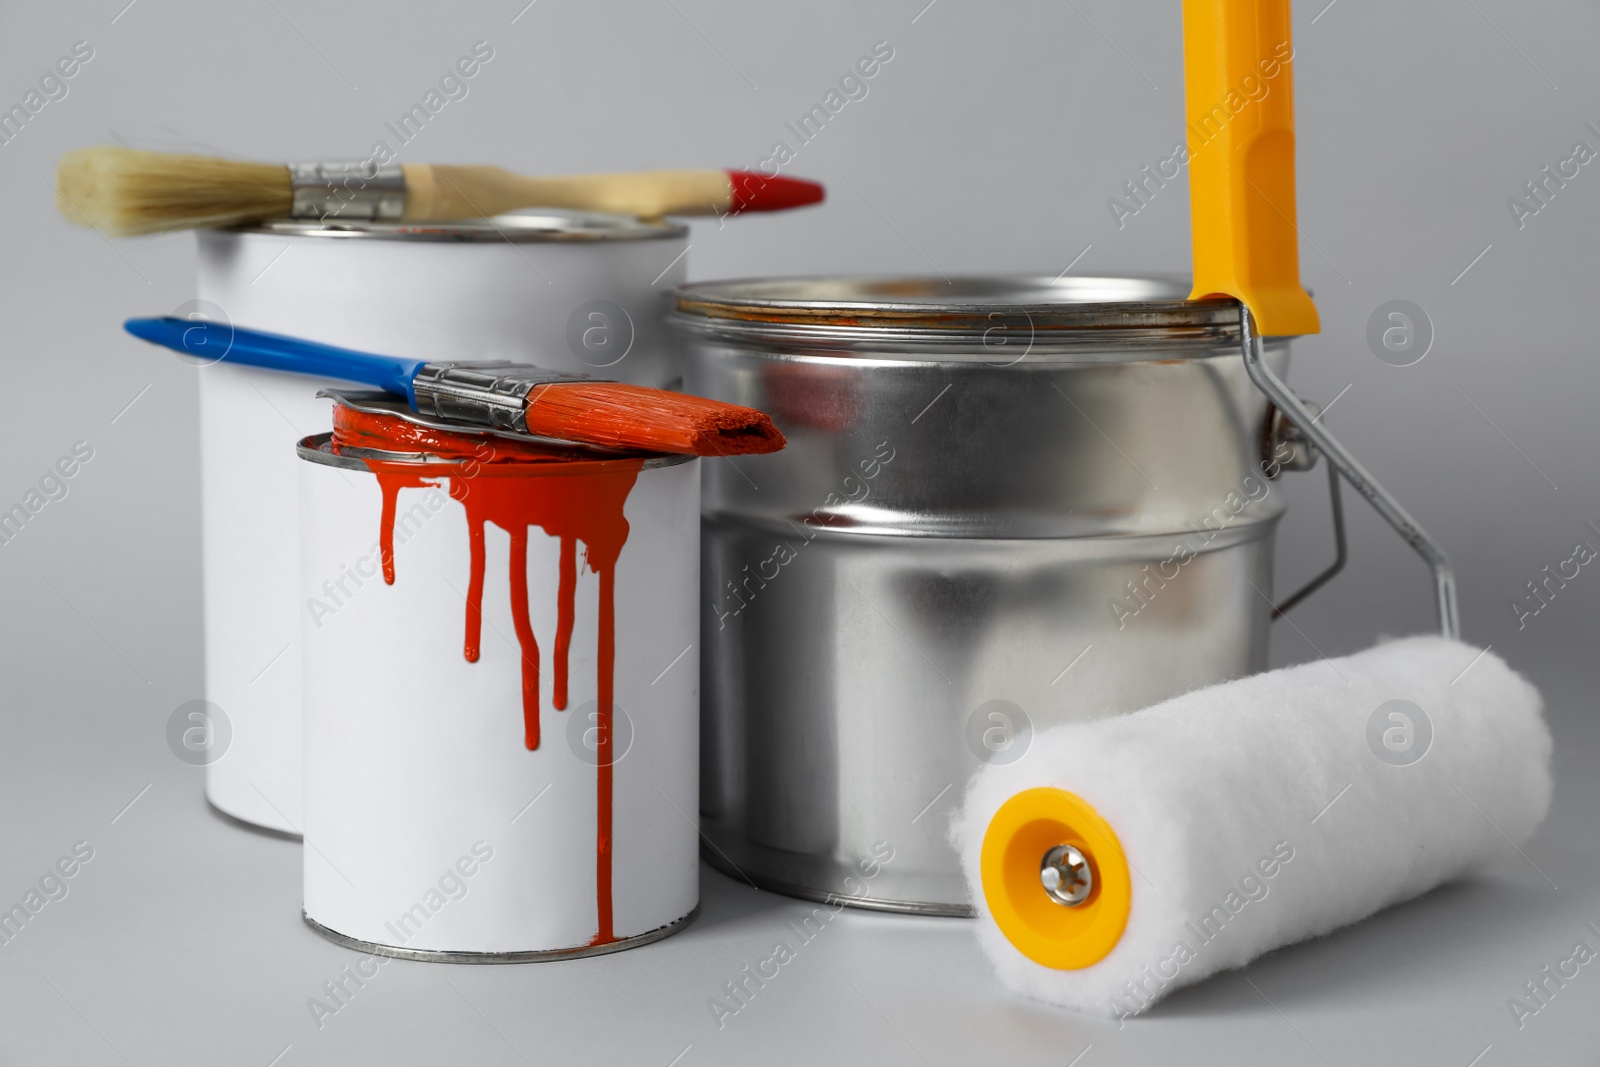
437,192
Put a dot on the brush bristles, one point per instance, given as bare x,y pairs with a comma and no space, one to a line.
123,191
633,416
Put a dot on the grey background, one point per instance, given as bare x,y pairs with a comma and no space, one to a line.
991,142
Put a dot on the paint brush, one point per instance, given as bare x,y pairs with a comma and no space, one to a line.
125,191
511,397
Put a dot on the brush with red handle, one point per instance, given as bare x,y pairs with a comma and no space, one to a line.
125,191
511,397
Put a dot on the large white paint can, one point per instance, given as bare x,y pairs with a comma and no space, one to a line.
501,695
570,292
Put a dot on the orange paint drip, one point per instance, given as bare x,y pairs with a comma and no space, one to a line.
565,609
607,657
390,483
525,638
570,497
474,628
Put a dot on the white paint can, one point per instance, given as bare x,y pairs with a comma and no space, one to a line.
571,292
452,809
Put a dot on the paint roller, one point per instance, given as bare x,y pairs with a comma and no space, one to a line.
1125,857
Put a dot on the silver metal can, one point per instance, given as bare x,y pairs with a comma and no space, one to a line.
1006,503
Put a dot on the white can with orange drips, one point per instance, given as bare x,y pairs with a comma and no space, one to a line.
500,701
567,291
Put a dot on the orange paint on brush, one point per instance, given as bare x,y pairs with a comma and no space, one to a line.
606,414
618,415
516,486
390,433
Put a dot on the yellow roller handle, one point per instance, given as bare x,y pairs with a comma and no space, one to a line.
1239,102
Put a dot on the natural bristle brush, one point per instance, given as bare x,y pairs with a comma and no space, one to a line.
125,191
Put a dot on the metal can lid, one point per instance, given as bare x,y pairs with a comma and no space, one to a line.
528,225
319,448
1140,310
447,441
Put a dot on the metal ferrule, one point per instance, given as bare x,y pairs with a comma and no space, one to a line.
483,394
347,191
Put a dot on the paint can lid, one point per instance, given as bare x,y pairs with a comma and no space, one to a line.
971,310
402,435
517,227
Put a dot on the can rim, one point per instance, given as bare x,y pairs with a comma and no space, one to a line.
1004,311
318,448
530,225
429,955
940,302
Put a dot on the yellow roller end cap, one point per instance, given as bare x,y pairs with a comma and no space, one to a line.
1031,831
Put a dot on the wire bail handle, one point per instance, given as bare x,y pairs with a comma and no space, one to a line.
1444,579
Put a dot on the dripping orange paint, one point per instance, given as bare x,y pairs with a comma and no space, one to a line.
518,486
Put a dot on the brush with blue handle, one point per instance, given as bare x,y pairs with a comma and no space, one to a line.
511,397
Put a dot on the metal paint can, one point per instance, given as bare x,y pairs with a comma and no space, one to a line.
500,714
1006,503
571,292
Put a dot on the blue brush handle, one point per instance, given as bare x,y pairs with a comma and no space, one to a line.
219,341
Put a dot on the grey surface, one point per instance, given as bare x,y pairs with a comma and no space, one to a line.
991,142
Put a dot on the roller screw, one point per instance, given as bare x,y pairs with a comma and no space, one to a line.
1066,875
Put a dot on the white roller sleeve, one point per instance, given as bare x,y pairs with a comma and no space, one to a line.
1211,791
